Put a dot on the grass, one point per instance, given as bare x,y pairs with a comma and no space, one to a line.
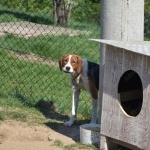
77,146
34,92
31,116
52,46
58,143
13,15
24,83
7,114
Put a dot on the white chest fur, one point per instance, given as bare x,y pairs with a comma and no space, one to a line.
81,82
78,83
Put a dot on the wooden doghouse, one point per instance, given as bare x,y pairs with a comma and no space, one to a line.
126,94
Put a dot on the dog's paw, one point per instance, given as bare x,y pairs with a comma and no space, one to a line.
68,123
92,123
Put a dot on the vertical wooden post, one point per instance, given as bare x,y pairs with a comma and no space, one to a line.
120,20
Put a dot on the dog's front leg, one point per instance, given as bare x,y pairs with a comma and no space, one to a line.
94,111
75,99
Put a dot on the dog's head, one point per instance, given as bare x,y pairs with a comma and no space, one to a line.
70,63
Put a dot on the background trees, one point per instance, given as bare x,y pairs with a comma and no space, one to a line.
60,11
147,20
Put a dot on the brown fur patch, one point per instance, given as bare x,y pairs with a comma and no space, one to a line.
93,89
63,61
77,63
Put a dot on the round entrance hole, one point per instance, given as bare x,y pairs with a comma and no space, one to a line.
130,91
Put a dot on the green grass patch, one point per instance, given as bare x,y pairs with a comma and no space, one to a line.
5,115
31,116
15,15
52,46
49,45
58,143
24,84
77,146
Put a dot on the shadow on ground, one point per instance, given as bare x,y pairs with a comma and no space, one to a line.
48,110
28,17
71,132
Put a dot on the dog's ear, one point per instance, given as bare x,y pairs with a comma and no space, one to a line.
60,63
80,65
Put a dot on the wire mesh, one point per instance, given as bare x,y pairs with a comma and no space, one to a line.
33,36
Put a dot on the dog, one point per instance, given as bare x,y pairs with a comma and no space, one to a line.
84,75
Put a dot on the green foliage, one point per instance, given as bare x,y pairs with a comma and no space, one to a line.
58,143
28,5
24,83
52,46
78,146
146,21
86,11
83,10
10,15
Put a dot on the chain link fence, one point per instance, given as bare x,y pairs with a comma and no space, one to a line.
33,36
32,39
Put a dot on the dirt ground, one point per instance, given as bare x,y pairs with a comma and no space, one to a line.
29,29
16,135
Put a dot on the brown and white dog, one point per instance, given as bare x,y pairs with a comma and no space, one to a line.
84,75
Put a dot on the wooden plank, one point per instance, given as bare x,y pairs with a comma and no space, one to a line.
113,70
133,61
129,131
110,109
115,123
146,72
110,124
129,128
144,117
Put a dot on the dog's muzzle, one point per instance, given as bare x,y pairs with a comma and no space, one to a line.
67,69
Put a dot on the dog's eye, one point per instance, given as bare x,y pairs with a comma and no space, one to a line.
74,62
65,61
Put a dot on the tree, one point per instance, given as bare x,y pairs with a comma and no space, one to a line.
62,11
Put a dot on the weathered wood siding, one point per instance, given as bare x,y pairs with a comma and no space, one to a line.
115,123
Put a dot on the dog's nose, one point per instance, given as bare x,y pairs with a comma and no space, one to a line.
67,68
